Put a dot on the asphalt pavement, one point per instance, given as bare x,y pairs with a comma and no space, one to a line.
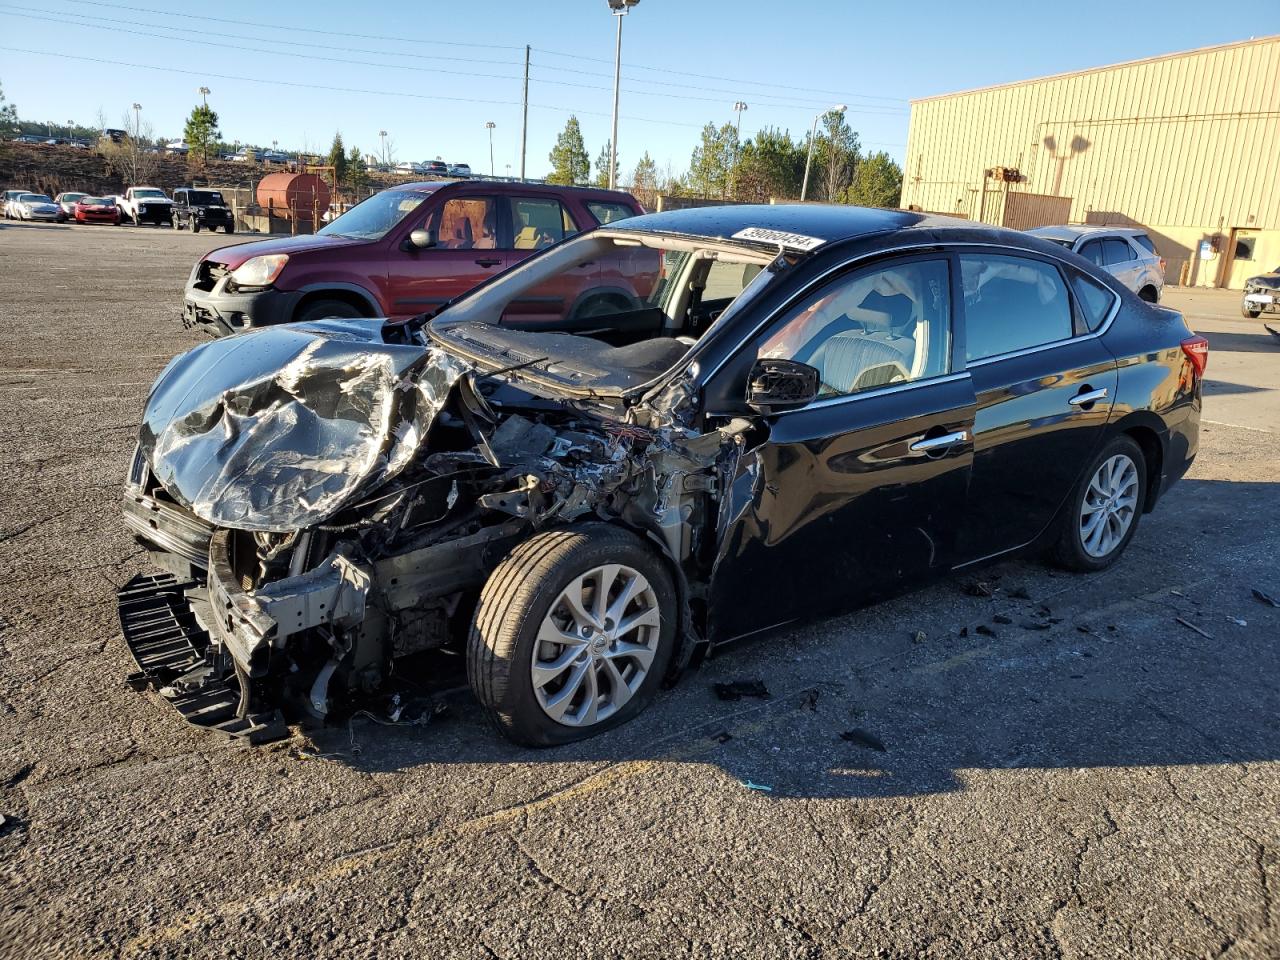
1016,763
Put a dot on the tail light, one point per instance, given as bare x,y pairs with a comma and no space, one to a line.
1197,351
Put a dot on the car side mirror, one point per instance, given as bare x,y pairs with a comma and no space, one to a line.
420,239
777,385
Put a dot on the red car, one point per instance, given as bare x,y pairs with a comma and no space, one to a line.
97,210
410,249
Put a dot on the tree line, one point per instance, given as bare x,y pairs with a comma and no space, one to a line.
768,166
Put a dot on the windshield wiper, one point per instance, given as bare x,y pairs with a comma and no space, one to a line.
515,366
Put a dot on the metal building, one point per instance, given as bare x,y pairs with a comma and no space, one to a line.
1186,145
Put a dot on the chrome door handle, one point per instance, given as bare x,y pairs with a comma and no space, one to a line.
1093,396
929,444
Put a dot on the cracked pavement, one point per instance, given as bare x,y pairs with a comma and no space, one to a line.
1090,779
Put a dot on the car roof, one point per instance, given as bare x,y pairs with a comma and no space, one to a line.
827,223
507,186
1066,232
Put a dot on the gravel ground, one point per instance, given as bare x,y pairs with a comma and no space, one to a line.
1103,787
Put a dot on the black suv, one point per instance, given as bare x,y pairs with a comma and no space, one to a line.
201,208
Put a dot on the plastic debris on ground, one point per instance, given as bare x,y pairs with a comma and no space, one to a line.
1191,626
742,688
1238,622
763,788
864,739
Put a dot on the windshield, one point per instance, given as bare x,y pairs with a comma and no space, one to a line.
149,193
204,197
647,303
71,197
374,218
96,202
35,198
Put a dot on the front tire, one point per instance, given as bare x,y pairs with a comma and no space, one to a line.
1251,314
572,635
1102,514
195,225
322,309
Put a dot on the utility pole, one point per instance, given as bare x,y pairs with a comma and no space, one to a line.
491,125
738,107
619,8
524,127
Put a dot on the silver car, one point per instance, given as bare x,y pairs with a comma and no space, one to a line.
36,206
1125,253
11,198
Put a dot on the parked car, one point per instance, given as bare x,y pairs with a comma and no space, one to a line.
177,146
37,206
96,210
1127,254
11,203
459,170
815,407
195,208
408,250
141,205
67,201
408,167
1261,294
435,168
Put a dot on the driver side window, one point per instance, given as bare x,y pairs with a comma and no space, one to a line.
468,223
890,324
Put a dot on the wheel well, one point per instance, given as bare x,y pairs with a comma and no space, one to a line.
343,296
1149,294
1153,456
629,301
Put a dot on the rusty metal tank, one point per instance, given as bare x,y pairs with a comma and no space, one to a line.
303,197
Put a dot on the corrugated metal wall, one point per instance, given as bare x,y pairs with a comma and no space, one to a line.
1188,140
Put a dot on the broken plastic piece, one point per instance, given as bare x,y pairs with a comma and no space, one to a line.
864,739
742,688
763,788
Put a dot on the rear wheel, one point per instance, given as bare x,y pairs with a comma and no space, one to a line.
572,635
195,224
1251,314
230,228
320,309
1102,515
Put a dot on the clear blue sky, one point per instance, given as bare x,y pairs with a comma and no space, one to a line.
684,62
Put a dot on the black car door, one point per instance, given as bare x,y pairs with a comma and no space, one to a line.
1044,387
863,490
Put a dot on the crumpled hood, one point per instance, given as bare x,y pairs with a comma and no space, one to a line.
1265,280
276,429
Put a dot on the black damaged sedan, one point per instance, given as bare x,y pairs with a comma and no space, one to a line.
801,410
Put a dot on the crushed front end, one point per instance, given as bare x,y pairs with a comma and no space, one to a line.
327,500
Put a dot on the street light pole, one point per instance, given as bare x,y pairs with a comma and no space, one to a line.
491,125
382,135
813,135
204,95
738,107
137,120
620,8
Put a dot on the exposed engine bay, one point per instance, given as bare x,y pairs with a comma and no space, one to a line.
327,499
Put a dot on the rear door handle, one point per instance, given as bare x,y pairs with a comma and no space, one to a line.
1088,397
931,444
488,262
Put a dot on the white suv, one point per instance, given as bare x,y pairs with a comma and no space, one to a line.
1128,255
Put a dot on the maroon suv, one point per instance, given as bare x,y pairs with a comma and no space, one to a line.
410,249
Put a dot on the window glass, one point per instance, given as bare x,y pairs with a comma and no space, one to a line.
725,280
539,223
468,223
609,212
1142,240
1095,300
882,326
373,218
1011,303
1092,251
1117,251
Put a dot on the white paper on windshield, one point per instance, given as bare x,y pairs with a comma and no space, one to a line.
781,238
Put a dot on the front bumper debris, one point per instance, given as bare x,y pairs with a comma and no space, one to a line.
174,658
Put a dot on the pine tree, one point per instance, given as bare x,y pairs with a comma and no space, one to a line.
357,172
602,165
644,182
338,159
569,161
201,130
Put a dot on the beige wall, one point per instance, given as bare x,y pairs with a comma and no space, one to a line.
1186,145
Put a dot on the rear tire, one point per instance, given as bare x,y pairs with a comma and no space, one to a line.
1251,314
195,225
524,603
322,309
1101,515
231,228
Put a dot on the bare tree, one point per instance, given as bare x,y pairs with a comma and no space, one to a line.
387,152
131,160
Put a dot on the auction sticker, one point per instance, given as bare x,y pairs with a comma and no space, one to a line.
793,241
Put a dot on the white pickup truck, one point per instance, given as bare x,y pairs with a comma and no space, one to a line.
145,205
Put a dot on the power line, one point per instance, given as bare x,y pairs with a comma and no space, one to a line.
293,27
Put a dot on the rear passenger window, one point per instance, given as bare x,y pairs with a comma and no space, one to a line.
609,212
1095,300
1092,251
1117,251
1011,303
1142,240
539,223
